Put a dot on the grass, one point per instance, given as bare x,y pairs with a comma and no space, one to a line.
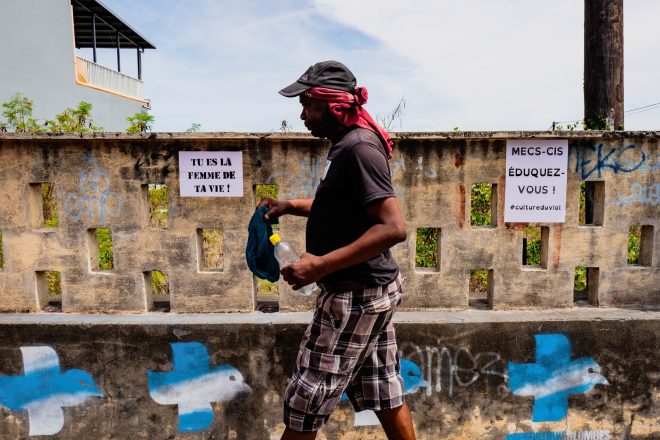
533,235
54,283
634,243
480,202
159,283
158,209
104,240
265,287
212,245
49,206
426,244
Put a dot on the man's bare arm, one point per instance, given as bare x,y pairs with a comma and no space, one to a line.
277,208
390,229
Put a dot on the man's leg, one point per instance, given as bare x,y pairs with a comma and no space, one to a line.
397,423
290,434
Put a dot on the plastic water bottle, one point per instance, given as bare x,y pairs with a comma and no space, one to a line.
286,255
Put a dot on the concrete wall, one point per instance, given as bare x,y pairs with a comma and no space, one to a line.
38,61
537,366
464,374
99,182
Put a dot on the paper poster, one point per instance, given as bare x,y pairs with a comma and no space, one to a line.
211,173
536,174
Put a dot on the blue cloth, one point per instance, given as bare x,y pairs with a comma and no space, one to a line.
259,252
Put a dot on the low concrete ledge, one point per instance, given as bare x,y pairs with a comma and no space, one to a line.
473,374
465,317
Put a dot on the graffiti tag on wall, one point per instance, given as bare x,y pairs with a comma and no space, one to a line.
457,367
598,159
94,197
641,194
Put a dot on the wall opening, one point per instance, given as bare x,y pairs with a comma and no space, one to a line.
267,293
210,250
156,195
592,203
483,204
481,289
99,242
427,249
267,190
49,290
43,206
640,245
585,286
535,247
157,291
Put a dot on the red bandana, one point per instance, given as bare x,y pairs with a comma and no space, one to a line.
347,108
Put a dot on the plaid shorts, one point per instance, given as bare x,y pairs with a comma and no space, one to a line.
349,346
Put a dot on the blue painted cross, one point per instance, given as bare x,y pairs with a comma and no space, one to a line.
193,385
553,377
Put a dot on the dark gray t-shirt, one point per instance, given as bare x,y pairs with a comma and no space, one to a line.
356,173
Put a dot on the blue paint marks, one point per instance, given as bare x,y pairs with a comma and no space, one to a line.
617,160
568,435
95,197
196,420
543,435
553,377
43,390
193,385
412,378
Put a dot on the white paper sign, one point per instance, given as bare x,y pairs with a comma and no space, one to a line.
536,180
211,173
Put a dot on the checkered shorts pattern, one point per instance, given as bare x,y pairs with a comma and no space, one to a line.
350,345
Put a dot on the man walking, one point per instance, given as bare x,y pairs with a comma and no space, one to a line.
353,221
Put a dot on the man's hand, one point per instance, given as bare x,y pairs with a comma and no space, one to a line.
276,208
307,270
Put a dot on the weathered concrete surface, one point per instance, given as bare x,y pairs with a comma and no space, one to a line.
99,180
465,358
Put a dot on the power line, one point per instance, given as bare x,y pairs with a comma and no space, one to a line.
632,111
639,108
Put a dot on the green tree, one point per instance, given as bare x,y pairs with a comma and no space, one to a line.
194,128
139,123
18,112
74,120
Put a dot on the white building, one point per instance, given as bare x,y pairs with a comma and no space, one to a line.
42,43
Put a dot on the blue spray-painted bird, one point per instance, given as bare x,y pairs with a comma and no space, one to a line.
43,390
412,382
193,385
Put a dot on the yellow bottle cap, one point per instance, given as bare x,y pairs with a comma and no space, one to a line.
275,238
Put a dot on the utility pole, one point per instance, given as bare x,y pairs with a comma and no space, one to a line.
603,64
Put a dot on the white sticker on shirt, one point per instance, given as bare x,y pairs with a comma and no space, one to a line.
327,167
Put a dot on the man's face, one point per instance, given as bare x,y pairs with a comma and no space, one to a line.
316,116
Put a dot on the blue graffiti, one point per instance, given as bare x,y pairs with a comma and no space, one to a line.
412,378
95,197
641,194
553,377
542,435
193,385
43,390
607,158
305,185
569,435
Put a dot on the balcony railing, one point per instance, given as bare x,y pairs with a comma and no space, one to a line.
101,78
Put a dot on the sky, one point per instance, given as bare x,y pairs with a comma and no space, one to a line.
471,65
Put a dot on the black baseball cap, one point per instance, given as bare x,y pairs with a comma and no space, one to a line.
328,74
